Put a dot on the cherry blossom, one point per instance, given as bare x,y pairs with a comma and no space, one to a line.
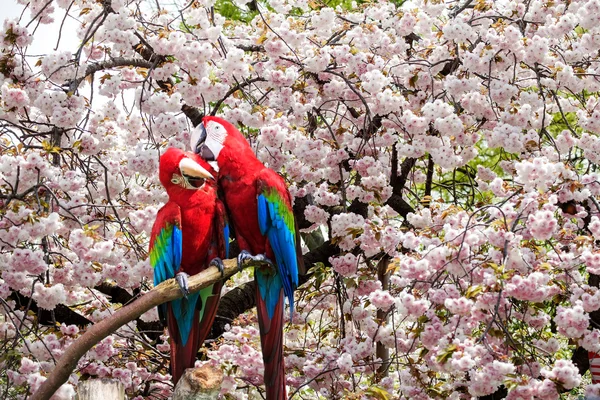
441,158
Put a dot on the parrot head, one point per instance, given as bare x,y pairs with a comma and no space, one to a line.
179,169
216,137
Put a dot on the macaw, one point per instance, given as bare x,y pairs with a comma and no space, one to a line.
260,210
189,234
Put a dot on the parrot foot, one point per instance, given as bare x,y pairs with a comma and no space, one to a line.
217,262
248,259
182,281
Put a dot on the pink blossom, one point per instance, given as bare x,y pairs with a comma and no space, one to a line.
573,321
542,224
381,299
565,372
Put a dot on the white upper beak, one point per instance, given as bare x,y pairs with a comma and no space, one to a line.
191,168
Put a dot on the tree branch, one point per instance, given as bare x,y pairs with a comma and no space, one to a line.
398,181
112,63
242,298
166,291
234,89
251,47
60,313
235,302
117,294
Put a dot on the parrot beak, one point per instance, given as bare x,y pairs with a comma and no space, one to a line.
205,152
193,172
198,138
198,142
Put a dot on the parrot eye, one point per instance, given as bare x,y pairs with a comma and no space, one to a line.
187,181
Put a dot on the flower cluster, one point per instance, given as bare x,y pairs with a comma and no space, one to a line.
441,160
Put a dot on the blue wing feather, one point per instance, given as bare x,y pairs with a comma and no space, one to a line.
184,309
168,253
226,238
262,214
165,257
177,248
282,241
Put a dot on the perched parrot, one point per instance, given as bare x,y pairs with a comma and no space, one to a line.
189,234
260,211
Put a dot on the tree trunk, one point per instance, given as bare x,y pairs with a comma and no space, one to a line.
381,351
202,383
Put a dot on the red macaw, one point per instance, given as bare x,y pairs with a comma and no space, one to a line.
260,208
189,234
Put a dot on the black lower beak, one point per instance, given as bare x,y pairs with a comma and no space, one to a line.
205,153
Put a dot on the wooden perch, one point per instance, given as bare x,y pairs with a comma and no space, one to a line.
166,291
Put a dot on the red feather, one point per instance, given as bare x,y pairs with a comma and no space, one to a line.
201,218
242,177
182,357
271,341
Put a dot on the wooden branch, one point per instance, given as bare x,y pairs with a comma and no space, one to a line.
109,64
60,313
166,291
382,351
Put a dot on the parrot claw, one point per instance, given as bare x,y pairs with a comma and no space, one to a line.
182,281
217,262
246,258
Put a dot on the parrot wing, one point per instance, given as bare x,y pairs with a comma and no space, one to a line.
276,222
181,315
166,246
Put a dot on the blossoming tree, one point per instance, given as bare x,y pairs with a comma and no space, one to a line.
442,156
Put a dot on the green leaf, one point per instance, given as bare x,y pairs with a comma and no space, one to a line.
378,393
445,355
473,291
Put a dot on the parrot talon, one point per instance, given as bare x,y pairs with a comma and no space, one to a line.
253,260
243,256
182,281
217,262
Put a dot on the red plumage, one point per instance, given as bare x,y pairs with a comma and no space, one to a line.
242,178
201,217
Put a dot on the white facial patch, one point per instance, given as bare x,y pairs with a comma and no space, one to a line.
215,137
215,165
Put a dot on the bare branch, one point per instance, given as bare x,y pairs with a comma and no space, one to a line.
113,63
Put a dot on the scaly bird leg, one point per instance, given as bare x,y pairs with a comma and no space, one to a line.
245,258
182,281
217,262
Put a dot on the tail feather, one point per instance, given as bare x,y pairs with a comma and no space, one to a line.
271,340
184,356
211,305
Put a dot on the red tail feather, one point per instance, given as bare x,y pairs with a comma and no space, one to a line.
271,340
210,312
182,357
